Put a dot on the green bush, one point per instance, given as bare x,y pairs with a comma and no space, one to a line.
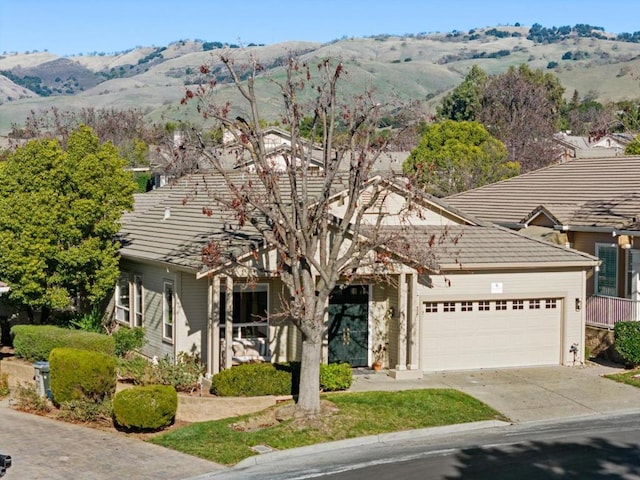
150,407
4,384
626,337
184,375
252,380
81,375
128,339
276,379
335,377
34,342
87,412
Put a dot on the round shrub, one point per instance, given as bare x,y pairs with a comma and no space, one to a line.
335,377
128,339
81,375
252,380
627,341
150,407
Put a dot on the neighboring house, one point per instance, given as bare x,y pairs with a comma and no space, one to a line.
491,297
590,204
575,146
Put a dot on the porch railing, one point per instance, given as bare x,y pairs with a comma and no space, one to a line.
605,312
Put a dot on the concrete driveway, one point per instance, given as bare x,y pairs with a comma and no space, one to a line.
528,394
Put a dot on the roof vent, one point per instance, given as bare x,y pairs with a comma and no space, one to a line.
167,213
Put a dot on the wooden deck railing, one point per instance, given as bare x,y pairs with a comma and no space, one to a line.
604,311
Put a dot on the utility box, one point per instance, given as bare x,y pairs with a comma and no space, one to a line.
43,384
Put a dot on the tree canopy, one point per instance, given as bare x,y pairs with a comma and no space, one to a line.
520,107
456,156
59,212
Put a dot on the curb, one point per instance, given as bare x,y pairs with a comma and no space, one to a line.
368,440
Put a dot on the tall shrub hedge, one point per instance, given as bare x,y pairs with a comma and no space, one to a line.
35,342
81,375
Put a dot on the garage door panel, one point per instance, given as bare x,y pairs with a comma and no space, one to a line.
496,338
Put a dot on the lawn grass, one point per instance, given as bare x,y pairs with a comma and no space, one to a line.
356,415
626,377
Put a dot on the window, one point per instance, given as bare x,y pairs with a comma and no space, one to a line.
449,306
607,275
517,305
550,303
534,304
122,298
483,305
430,307
250,311
466,306
138,301
168,311
501,304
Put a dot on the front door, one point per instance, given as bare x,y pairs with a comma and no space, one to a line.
349,325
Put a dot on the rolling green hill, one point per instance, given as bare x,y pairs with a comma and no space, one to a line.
415,67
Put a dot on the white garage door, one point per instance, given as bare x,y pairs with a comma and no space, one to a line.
491,333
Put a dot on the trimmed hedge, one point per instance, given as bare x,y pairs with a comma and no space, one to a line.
252,380
81,375
258,379
626,337
34,342
150,407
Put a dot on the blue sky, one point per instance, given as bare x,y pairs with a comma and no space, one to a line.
68,27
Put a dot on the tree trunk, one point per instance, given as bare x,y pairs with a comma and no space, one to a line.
309,389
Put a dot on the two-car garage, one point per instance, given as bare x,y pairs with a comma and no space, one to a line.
487,333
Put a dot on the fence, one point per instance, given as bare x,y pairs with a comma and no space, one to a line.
604,311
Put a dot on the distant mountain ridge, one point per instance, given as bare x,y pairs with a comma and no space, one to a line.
419,68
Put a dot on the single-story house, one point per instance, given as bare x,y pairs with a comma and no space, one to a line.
491,297
590,204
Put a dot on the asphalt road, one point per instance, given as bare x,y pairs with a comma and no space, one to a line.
585,447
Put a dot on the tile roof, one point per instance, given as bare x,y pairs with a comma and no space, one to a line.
169,224
602,192
467,247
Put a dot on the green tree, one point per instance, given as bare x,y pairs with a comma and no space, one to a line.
59,212
455,156
464,102
633,148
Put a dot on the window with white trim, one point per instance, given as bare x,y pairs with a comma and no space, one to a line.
122,298
534,304
449,306
550,303
484,305
606,278
250,311
168,310
501,304
466,306
138,301
517,305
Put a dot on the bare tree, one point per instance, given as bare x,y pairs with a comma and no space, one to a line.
521,107
290,208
